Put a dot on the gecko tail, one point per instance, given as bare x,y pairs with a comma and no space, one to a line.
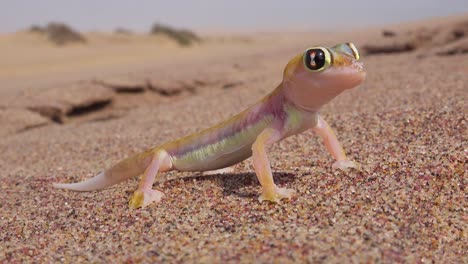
98,182
125,169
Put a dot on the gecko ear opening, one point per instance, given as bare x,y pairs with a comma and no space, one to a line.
348,48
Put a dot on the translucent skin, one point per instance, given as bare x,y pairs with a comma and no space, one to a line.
230,142
290,109
299,96
311,90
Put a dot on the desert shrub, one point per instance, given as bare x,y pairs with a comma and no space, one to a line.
36,29
62,34
182,36
122,31
59,33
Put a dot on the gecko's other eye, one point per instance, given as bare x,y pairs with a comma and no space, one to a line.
317,59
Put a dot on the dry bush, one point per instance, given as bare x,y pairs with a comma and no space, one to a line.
123,31
62,34
36,29
182,36
59,33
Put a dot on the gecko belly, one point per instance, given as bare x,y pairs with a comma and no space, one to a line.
217,147
203,160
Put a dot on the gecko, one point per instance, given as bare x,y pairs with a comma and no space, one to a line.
310,80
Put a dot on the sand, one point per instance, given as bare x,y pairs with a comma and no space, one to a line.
406,125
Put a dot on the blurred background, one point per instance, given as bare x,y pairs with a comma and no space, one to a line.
67,61
88,15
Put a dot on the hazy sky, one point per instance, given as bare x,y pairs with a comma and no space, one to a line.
217,14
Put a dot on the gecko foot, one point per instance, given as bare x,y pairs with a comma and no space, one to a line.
276,195
143,198
346,164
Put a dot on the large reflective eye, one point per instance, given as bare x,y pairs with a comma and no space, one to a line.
317,59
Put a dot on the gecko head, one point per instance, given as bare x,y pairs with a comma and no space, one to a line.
319,74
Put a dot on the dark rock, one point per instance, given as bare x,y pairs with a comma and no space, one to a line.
388,33
171,87
124,84
447,39
232,84
61,102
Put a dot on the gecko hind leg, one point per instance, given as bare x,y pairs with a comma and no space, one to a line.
145,195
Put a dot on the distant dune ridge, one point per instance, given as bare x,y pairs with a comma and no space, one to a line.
436,39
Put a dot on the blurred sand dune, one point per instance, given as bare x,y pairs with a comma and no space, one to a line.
31,60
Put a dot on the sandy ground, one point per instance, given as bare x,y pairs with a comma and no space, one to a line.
406,125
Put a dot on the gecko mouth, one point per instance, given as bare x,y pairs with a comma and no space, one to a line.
358,65
355,67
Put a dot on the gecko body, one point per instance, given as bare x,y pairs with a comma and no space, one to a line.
310,80
230,142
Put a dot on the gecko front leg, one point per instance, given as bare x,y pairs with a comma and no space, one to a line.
270,191
334,146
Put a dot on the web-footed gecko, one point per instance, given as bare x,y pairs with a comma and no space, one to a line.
310,80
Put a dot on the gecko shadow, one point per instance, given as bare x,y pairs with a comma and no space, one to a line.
234,183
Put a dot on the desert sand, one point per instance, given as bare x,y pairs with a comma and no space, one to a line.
68,112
